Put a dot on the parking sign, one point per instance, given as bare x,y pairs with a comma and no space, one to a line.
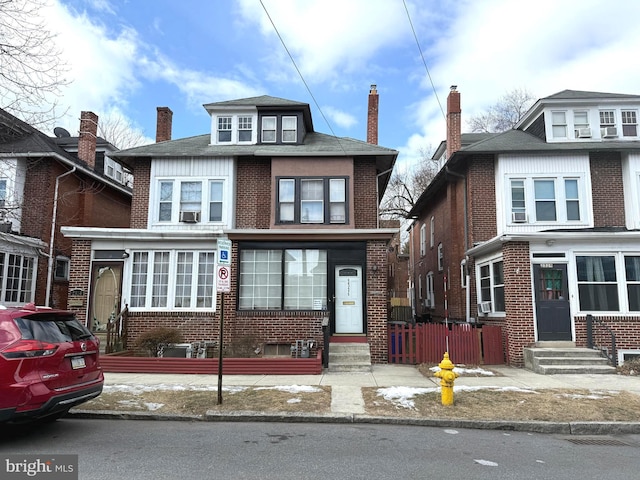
223,279
224,252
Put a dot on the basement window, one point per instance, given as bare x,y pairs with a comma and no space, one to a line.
277,350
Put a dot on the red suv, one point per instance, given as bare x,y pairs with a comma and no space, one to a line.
48,363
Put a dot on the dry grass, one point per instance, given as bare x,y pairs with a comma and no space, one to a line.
198,402
481,404
541,405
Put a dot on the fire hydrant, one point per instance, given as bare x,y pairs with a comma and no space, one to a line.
447,376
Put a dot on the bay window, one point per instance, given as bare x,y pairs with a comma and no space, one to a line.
283,279
16,278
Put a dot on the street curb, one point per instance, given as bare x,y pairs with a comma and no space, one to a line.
563,428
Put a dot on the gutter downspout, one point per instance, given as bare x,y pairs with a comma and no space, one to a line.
52,237
466,243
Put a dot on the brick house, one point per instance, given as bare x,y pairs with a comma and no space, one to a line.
536,228
300,208
46,182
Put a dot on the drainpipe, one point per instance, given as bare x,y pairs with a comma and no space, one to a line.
466,240
52,237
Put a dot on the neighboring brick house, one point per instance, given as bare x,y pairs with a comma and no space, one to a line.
35,171
301,211
535,228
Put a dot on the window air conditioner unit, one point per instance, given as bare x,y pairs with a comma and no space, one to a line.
519,217
190,217
609,132
583,133
484,307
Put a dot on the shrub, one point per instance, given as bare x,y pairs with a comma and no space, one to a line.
151,340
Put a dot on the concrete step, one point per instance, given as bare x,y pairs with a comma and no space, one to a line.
349,357
551,361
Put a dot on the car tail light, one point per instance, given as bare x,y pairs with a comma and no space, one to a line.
29,349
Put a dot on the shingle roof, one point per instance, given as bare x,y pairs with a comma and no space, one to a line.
315,144
584,95
261,101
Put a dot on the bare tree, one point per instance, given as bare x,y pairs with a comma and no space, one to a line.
119,132
32,68
504,114
405,188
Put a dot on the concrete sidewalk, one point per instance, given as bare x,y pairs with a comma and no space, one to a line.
347,403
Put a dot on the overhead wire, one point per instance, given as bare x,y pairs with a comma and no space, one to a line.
424,62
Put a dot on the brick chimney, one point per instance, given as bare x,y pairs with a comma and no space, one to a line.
163,124
454,122
87,138
372,116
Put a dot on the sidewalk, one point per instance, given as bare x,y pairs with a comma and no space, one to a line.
347,403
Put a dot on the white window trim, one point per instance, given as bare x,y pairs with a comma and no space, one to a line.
440,257
423,240
275,129
295,130
4,265
430,300
235,128
560,199
484,263
553,124
432,232
171,284
205,200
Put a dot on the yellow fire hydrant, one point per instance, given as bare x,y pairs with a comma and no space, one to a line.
447,376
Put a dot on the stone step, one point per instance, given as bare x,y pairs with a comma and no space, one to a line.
349,357
551,361
575,369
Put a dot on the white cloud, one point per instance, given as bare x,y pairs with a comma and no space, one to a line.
339,117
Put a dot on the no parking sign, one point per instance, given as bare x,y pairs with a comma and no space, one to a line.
223,279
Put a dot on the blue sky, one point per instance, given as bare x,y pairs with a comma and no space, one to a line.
127,57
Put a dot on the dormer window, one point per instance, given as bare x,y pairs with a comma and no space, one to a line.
559,124
289,129
581,124
245,128
224,129
268,129
629,123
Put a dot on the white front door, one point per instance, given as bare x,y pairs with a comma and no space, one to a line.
348,299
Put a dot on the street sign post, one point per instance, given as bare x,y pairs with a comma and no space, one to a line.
223,285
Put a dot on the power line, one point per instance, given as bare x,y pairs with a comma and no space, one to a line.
301,76
415,36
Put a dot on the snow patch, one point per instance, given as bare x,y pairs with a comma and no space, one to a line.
292,388
403,396
486,463
461,370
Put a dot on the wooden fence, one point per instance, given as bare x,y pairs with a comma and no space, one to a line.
426,343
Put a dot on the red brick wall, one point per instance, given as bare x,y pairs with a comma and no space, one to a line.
140,200
626,329
253,197
377,300
79,277
607,189
364,193
481,199
519,328
81,202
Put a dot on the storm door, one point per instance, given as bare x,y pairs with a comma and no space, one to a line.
552,302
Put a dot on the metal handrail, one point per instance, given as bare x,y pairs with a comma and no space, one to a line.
117,331
611,355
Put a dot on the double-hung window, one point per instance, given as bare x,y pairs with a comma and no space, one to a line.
559,124
173,279
581,124
546,200
312,200
430,301
289,129
597,283
224,129
190,201
3,192
632,274
215,200
245,128
283,279
268,129
629,123
608,124
423,240
491,277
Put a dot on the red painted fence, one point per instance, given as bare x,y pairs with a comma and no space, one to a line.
426,343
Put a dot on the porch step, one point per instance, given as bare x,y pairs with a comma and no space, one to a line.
349,357
551,361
